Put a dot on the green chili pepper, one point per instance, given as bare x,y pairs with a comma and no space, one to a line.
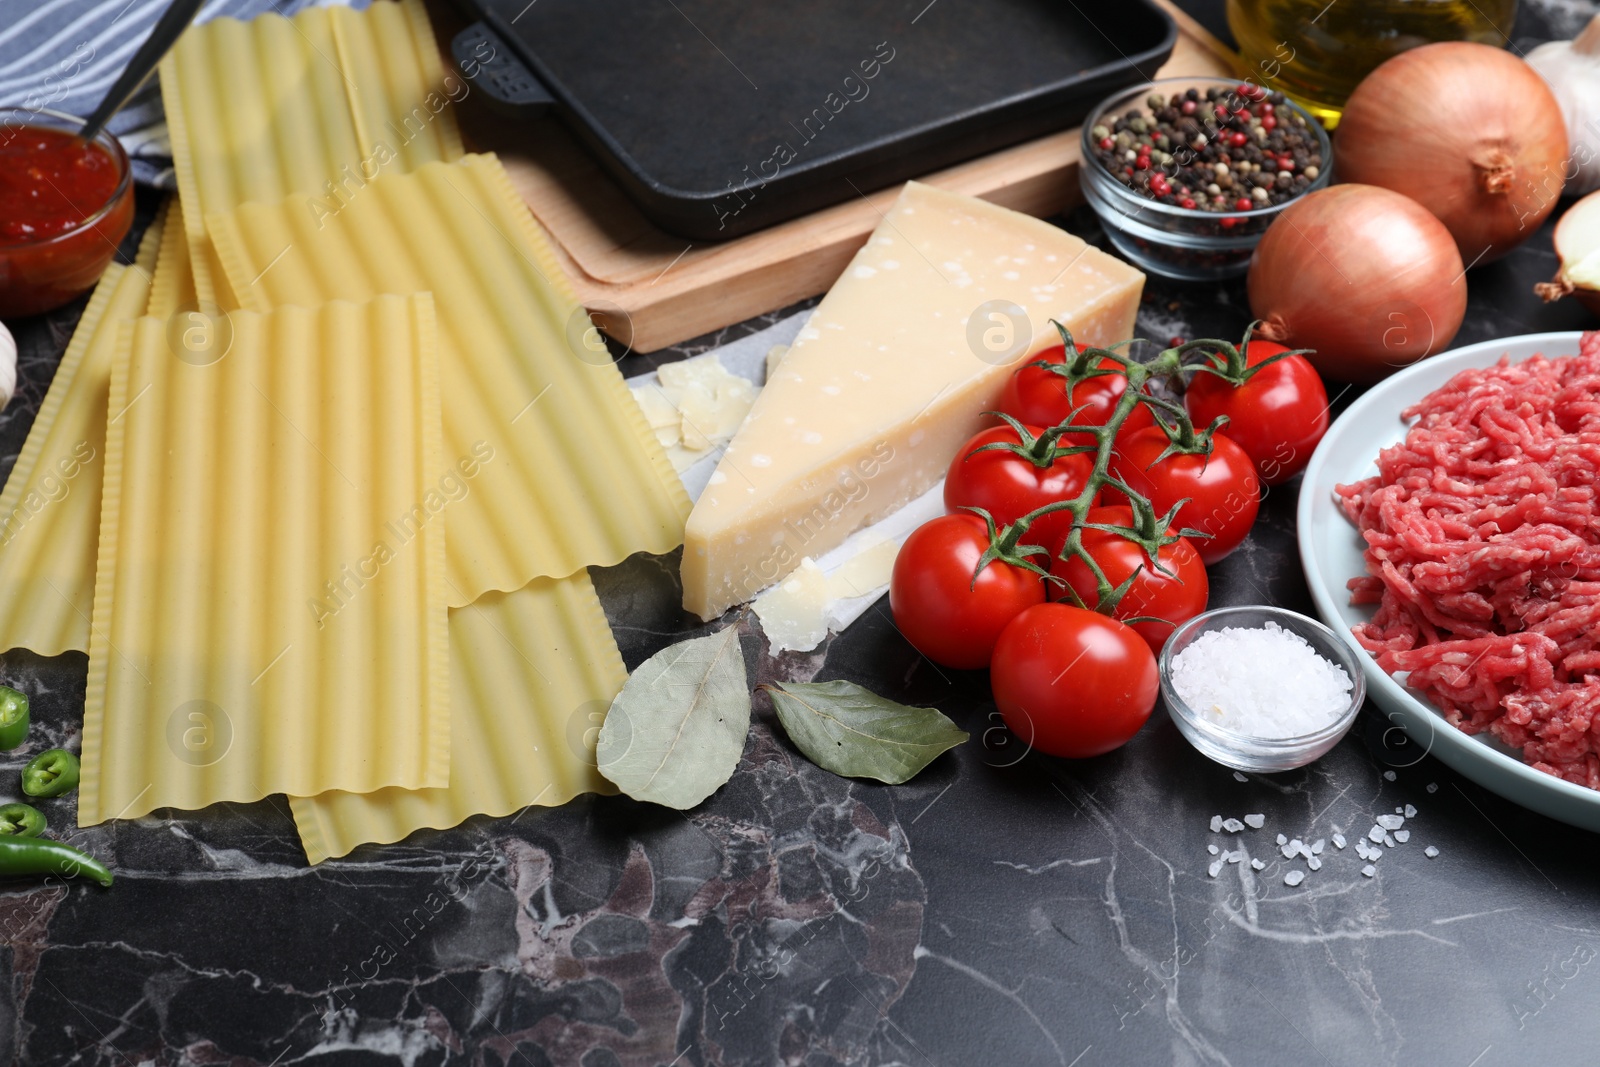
13,718
50,773
41,855
21,820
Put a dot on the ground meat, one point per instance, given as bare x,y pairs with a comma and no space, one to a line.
1483,557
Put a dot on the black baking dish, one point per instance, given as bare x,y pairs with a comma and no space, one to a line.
720,117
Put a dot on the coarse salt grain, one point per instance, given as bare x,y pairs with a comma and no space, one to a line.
1219,674
1409,812
1240,777
1391,822
1390,775
1314,863
1369,870
1212,849
1338,841
1294,877
1402,836
1233,826
1282,840
1255,822
1216,824
1256,865
1216,865
1430,852
1433,787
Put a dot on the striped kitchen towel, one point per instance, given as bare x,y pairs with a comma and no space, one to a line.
64,54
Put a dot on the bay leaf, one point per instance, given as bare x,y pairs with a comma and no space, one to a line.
852,731
675,733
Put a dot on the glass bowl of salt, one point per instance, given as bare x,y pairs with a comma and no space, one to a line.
1260,688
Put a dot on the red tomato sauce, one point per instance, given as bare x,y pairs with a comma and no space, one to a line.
50,182
51,185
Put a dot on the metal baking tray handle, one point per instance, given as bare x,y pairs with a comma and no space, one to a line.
489,63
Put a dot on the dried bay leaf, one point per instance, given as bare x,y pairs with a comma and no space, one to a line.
675,733
852,731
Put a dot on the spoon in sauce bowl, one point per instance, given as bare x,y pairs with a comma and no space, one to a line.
167,30
66,187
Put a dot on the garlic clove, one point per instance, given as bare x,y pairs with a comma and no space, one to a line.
8,366
1572,70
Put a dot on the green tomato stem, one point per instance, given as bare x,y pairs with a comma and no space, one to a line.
1150,531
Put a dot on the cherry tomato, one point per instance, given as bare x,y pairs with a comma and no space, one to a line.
1039,397
1223,490
1277,416
1008,486
1176,596
1071,682
948,617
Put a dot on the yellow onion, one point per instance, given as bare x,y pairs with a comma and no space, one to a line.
1470,132
1365,277
1577,244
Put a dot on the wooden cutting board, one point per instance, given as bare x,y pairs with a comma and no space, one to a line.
649,289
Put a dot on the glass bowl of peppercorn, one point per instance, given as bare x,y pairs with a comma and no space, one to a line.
1186,174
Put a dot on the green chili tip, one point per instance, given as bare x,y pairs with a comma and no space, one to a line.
50,773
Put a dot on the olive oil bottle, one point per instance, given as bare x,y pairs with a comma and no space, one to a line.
1316,50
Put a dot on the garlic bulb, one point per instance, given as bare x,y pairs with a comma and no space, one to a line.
8,366
1572,70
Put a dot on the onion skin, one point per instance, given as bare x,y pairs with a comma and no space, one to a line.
1366,277
1470,132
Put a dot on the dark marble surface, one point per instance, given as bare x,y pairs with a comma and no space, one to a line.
1002,908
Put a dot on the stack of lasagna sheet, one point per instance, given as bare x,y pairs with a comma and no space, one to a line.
319,478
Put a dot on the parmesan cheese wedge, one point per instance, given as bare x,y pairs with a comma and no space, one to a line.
890,376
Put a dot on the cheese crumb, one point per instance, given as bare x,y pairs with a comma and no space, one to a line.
696,407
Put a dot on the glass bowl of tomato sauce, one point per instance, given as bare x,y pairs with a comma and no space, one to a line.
65,205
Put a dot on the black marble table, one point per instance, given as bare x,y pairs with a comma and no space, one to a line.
1002,908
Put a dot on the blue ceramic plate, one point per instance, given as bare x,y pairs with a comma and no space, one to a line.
1331,549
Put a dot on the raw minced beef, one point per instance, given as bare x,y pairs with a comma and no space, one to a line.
1483,556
